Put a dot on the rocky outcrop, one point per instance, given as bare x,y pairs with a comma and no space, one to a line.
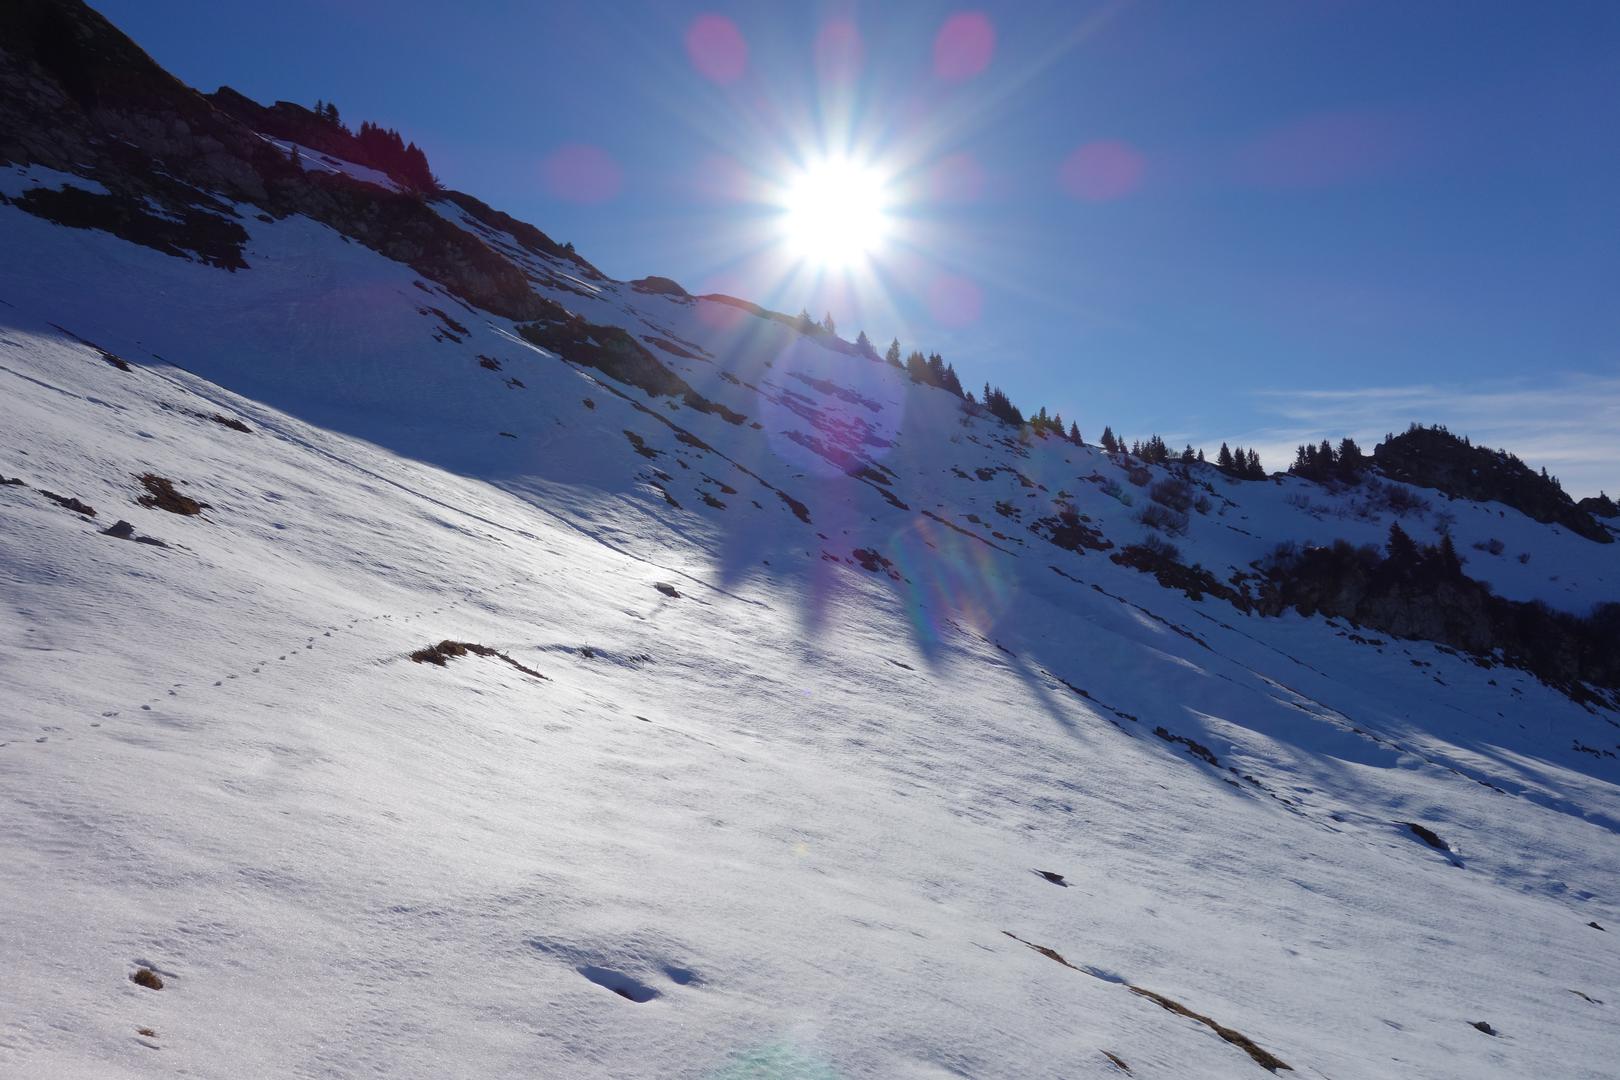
1432,457
1422,593
78,96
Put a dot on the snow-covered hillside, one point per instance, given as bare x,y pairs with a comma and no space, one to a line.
812,730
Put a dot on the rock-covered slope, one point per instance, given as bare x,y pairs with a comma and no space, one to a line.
795,720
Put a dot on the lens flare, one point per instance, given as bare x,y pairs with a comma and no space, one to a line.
835,213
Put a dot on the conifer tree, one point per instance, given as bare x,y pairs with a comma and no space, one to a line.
893,355
1109,443
1402,549
1074,434
1450,563
828,325
1223,459
864,343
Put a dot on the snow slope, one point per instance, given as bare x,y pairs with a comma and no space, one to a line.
815,699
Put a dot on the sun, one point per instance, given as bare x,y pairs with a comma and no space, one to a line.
836,213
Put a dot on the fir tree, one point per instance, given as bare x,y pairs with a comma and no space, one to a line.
1402,549
1074,434
893,355
1450,563
828,325
1109,443
1223,460
864,343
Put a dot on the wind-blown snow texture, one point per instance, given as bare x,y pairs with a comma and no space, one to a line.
816,700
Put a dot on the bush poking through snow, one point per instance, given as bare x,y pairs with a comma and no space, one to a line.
1160,549
1174,493
1155,516
148,978
160,495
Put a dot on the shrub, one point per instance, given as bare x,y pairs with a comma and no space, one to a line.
1202,504
1172,493
1155,516
1493,546
1161,548
1402,501
1137,474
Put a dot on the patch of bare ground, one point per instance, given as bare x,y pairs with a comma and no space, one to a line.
1262,1057
1118,1063
1050,954
67,503
161,495
148,978
439,655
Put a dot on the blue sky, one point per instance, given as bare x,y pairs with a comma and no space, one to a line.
1259,221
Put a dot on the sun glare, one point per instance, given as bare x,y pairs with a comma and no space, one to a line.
835,214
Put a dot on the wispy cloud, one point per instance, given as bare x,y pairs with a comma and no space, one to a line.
1568,422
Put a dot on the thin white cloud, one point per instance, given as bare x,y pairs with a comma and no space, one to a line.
1567,422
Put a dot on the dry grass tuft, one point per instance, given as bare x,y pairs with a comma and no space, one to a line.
148,978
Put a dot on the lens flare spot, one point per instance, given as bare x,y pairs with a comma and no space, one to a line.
582,173
839,51
717,49
722,178
955,301
964,45
949,578
1101,171
958,178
